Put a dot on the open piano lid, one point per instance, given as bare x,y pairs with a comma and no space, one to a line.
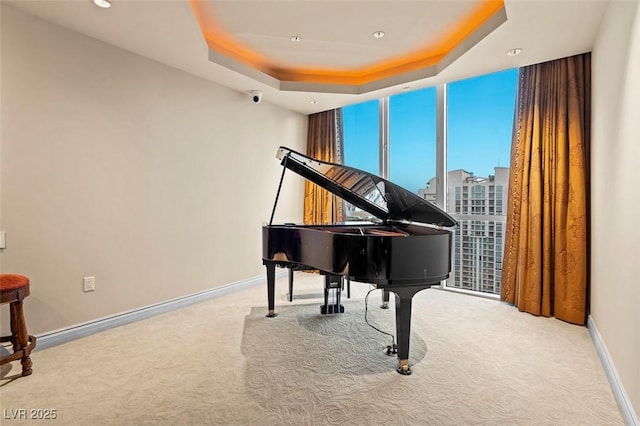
371,193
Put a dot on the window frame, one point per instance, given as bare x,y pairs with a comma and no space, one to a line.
441,174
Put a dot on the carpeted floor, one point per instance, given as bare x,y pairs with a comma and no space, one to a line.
475,361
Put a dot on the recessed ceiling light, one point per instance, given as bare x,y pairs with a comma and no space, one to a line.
105,4
295,39
514,52
313,102
378,34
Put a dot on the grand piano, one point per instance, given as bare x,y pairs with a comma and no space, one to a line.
406,250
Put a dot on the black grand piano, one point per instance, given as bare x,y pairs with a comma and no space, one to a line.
407,251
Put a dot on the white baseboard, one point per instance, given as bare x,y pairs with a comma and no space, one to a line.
626,409
58,337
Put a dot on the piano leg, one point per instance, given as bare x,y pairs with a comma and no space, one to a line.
271,288
385,299
404,296
291,284
348,287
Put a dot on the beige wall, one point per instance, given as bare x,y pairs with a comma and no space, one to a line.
152,180
615,281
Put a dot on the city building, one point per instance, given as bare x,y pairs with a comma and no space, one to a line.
479,206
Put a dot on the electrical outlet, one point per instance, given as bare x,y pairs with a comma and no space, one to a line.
89,284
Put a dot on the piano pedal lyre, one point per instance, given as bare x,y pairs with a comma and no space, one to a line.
332,305
331,309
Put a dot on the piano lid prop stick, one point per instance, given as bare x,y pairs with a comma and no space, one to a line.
284,168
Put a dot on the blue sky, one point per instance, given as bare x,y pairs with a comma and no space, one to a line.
480,121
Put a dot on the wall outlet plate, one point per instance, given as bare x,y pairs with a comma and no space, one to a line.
88,284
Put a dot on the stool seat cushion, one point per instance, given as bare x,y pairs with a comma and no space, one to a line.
12,281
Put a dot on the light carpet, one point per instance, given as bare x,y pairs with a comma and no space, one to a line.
475,361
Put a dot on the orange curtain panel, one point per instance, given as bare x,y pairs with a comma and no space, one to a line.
545,265
324,142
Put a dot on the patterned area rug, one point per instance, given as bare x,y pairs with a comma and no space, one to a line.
305,368
337,359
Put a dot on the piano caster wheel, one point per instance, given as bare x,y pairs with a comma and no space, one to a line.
271,314
384,306
403,368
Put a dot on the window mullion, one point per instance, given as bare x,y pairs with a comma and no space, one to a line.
441,146
441,151
383,128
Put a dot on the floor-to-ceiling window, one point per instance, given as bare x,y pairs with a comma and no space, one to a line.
412,138
396,138
361,136
479,126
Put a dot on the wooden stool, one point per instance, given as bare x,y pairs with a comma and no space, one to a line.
13,289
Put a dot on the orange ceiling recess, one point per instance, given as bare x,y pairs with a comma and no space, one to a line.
422,61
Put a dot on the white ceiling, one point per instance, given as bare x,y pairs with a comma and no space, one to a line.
166,31
329,36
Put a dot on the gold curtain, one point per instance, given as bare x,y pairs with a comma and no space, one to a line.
545,263
324,142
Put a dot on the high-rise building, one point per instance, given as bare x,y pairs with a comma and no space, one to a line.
479,205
